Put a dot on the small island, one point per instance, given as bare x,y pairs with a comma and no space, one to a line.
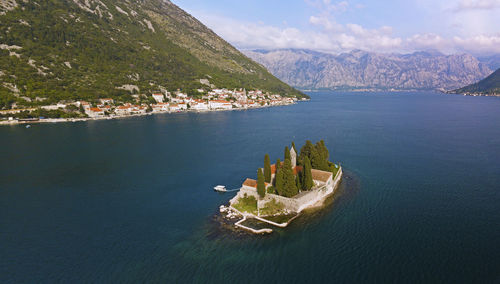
284,189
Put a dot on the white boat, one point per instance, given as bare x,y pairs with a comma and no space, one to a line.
220,188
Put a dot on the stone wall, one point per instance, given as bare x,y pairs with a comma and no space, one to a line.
298,203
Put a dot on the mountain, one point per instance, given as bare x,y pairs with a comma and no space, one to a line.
367,70
488,86
492,61
84,49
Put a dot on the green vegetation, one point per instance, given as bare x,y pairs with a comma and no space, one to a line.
298,184
312,156
272,208
271,189
267,168
287,153
261,186
279,178
308,180
489,85
39,112
318,155
60,52
289,185
246,204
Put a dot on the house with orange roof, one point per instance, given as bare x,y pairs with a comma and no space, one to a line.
174,107
159,107
123,110
182,106
199,105
219,104
95,112
251,184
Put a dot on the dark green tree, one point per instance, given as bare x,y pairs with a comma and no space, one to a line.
321,160
308,180
261,186
267,168
279,180
271,189
287,153
306,150
289,184
276,167
298,183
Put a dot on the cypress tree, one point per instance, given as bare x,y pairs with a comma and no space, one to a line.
276,166
308,180
315,158
321,157
267,168
287,153
289,184
279,180
306,150
297,183
261,186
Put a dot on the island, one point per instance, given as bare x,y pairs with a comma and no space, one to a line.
284,189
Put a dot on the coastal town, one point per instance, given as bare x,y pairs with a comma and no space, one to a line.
284,189
157,102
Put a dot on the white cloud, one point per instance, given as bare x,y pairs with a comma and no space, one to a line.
328,6
325,22
468,5
325,34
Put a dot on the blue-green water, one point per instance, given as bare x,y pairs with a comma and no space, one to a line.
131,200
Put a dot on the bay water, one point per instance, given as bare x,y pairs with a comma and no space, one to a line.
131,200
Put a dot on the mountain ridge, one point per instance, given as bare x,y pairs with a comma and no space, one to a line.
307,69
488,86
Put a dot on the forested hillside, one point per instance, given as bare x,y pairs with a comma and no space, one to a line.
52,50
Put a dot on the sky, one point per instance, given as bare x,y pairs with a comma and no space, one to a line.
404,26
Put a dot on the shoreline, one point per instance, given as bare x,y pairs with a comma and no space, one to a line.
61,120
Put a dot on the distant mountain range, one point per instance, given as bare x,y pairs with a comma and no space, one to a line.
492,61
85,49
358,69
488,86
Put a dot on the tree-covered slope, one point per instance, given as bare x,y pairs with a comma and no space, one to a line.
489,85
85,49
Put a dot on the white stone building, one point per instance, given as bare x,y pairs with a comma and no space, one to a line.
159,98
95,112
219,104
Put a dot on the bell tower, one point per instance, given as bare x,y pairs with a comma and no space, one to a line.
293,157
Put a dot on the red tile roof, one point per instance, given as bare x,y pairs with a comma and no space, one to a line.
250,183
95,109
321,175
253,183
296,170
